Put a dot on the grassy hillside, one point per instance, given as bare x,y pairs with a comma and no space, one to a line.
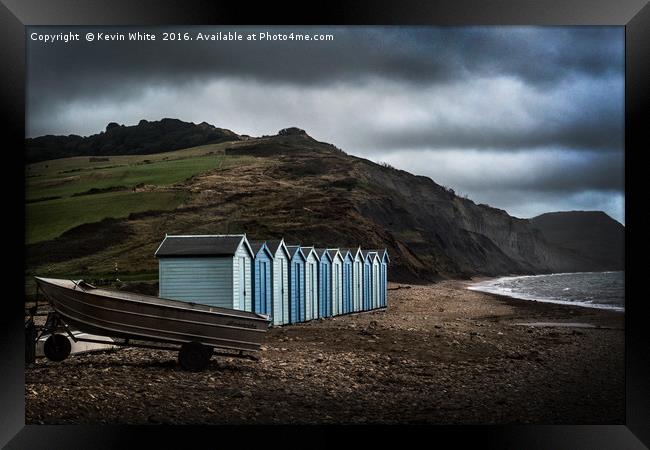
65,193
48,219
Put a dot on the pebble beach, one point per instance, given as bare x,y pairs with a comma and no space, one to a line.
438,354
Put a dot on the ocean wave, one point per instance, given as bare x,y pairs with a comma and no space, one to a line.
601,290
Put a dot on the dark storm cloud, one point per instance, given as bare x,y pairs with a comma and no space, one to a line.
587,129
526,183
543,171
518,117
537,56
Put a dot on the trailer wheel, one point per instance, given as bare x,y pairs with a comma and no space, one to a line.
208,351
194,356
57,347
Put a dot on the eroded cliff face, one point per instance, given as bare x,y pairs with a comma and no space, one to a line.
466,238
592,234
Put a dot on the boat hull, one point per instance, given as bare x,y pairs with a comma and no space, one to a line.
141,317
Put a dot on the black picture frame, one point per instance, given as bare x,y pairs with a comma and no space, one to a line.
633,14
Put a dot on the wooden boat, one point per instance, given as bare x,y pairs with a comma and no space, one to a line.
133,316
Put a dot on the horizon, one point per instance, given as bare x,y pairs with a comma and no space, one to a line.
525,119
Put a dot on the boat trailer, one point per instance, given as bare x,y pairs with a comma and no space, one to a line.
192,356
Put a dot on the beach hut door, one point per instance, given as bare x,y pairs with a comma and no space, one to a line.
336,293
281,280
314,287
299,294
263,287
242,283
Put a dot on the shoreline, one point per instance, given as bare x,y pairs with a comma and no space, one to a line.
600,317
428,358
469,285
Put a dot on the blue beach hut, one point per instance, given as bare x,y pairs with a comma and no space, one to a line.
262,278
384,260
348,283
337,281
296,284
376,279
311,283
324,283
367,280
207,269
357,280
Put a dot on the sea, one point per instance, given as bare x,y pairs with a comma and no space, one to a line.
604,290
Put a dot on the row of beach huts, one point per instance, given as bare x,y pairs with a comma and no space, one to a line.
291,283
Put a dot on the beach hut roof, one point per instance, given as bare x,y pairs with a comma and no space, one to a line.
307,250
334,251
372,254
293,249
323,252
275,244
381,253
256,246
201,245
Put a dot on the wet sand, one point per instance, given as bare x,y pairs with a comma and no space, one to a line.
439,354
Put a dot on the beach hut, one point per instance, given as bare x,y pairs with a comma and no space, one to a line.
337,281
357,280
280,281
324,282
296,284
280,276
367,280
383,276
311,283
376,279
348,282
207,269
262,278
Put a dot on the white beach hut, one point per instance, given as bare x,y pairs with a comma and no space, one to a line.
376,279
337,281
280,281
357,280
311,282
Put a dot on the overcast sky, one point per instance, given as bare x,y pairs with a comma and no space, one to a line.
527,119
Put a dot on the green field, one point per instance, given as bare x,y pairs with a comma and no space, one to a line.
54,166
47,220
64,193
127,176
63,178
